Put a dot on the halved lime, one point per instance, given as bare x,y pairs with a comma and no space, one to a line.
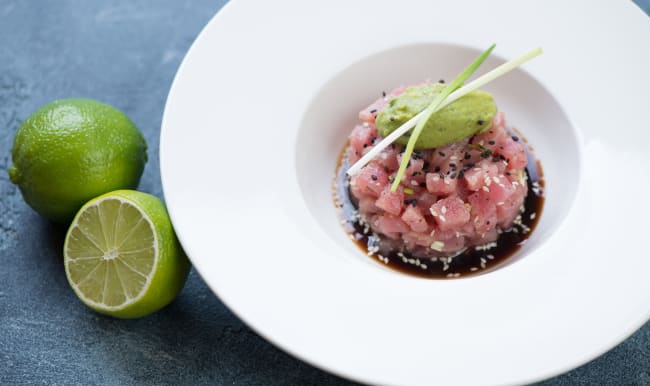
122,257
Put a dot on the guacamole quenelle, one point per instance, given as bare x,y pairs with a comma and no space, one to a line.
469,115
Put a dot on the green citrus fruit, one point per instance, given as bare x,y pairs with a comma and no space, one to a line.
122,257
72,150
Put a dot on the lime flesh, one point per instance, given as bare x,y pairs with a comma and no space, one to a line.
122,257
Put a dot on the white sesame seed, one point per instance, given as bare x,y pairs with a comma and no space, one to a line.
500,203
473,269
423,266
491,257
433,212
495,179
447,181
365,124
532,215
442,218
443,209
486,189
414,183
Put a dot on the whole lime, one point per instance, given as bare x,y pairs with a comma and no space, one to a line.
72,150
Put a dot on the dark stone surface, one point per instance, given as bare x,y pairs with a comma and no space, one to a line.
125,53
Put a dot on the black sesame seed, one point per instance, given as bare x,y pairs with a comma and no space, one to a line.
491,142
515,138
425,166
374,177
373,111
467,156
365,145
453,175
383,93
436,169
452,165
441,81
442,176
480,122
414,174
471,165
461,174
386,169
392,119
486,153
423,184
441,154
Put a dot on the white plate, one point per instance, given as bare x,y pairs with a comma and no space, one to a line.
247,157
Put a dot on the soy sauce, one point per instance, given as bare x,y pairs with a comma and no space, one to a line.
469,262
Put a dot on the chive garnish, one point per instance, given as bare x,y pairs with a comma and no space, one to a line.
432,108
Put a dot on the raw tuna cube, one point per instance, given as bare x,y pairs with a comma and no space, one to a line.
391,202
450,213
414,218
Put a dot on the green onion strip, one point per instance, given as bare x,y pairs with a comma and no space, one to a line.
432,108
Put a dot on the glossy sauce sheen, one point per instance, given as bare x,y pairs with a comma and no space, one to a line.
468,263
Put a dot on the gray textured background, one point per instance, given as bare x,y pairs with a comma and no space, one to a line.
125,53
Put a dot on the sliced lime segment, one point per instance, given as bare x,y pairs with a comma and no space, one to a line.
122,257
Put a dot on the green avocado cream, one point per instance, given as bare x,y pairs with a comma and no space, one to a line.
464,117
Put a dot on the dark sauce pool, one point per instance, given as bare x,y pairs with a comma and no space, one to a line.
470,262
